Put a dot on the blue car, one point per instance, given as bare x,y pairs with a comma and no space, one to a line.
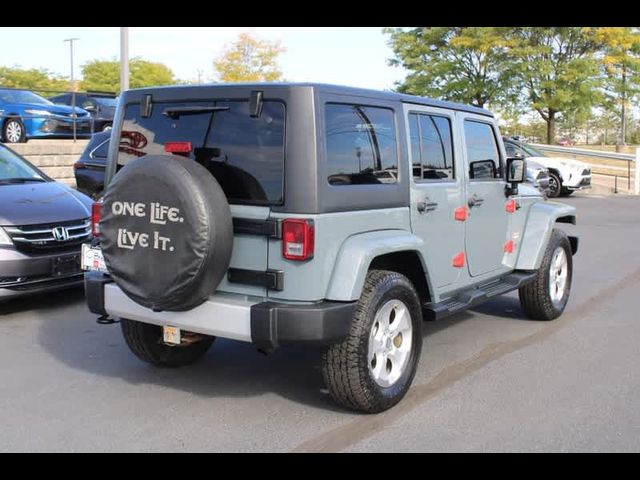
25,115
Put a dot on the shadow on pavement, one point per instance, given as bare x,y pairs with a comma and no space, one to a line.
47,301
68,331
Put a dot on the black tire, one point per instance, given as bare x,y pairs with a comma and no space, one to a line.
345,366
145,341
555,185
5,129
535,298
566,192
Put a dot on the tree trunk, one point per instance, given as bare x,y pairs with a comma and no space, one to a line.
551,127
586,131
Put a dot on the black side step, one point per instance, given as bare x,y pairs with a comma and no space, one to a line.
476,296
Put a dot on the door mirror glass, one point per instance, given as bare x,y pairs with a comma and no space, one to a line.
515,170
482,169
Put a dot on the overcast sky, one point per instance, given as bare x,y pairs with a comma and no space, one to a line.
354,56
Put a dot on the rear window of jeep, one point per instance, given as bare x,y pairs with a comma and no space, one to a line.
244,154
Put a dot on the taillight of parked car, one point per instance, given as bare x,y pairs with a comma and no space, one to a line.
79,166
297,239
96,210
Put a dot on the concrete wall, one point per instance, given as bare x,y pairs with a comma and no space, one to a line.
53,157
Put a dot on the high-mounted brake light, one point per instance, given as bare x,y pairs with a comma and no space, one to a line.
297,239
96,210
177,147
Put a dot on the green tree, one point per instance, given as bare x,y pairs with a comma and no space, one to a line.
463,64
34,79
249,59
558,70
104,75
621,68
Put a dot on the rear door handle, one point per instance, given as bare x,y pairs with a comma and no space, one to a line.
475,201
425,206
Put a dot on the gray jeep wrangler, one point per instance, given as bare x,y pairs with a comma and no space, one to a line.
306,213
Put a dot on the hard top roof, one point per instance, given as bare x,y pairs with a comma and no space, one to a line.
344,90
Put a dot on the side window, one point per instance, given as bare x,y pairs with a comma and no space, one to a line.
62,100
101,151
513,150
431,147
84,103
482,151
361,145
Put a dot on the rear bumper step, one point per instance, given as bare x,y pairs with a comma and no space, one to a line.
476,296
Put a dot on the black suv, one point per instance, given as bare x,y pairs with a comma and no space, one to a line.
101,106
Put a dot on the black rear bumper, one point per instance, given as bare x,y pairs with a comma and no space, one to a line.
272,324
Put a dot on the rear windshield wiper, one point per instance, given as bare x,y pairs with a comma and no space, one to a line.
177,112
4,181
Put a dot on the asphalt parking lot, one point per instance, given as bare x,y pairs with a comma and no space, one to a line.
488,379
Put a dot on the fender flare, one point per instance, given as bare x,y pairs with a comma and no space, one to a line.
540,222
357,253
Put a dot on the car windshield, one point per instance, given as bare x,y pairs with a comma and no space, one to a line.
22,96
14,169
532,152
106,101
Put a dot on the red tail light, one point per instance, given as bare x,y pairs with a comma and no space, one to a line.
79,166
177,147
96,209
297,239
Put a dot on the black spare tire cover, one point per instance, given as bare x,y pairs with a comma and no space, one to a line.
166,232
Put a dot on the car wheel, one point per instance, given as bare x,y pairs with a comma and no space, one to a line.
555,185
566,192
547,296
372,369
145,341
13,131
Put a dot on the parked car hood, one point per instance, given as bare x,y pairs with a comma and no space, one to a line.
38,203
555,161
534,165
64,110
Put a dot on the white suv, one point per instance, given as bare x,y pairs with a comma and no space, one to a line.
565,174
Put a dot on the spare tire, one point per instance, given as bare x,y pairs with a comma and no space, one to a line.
166,232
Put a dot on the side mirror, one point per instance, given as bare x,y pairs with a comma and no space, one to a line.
482,169
515,174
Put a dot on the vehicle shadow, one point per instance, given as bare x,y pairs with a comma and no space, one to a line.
230,369
51,300
502,306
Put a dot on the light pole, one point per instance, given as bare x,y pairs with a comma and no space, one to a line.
73,92
124,59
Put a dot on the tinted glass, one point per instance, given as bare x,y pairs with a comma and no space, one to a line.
102,150
22,96
106,101
513,150
361,145
83,103
482,148
532,152
12,166
61,100
436,148
414,138
245,154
